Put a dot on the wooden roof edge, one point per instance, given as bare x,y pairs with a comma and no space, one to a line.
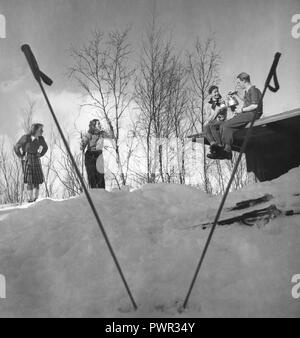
277,117
264,120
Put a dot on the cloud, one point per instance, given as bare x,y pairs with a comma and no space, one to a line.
15,76
10,85
68,108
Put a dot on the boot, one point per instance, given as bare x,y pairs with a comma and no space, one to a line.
30,196
214,148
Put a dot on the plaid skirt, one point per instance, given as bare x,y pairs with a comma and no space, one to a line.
33,173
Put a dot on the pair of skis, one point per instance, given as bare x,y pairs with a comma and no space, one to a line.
41,77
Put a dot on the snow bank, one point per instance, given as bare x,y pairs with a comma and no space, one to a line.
56,263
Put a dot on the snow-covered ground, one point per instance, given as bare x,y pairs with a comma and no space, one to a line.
56,263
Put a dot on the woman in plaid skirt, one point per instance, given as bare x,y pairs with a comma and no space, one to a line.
30,148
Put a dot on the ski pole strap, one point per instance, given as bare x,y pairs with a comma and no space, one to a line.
276,83
273,74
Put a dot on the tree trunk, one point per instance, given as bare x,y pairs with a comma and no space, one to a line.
160,148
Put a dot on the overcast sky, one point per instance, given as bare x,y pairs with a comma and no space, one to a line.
248,34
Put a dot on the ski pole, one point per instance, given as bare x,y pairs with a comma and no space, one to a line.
272,74
39,76
82,170
82,156
22,183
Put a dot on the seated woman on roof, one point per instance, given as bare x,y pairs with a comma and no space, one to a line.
216,113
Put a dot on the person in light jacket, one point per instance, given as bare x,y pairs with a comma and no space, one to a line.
92,143
30,148
216,113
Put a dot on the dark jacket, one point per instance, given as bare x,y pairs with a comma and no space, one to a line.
27,145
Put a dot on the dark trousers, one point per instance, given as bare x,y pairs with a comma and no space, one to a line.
95,179
212,132
230,126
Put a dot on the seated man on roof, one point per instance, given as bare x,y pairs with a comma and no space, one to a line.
251,107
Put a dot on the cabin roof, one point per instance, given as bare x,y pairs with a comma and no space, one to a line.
277,117
273,125
273,147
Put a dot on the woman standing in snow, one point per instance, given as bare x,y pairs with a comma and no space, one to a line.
93,141
30,148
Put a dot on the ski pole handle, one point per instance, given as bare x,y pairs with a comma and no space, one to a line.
37,73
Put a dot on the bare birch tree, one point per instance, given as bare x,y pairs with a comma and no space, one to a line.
203,64
27,114
10,174
158,95
64,170
102,70
49,161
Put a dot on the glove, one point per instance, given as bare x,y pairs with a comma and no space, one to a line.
82,146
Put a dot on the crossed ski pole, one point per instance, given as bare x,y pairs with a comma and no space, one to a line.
82,156
22,182
272,74
40,76
82,159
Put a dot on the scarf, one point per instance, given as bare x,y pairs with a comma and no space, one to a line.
215,103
